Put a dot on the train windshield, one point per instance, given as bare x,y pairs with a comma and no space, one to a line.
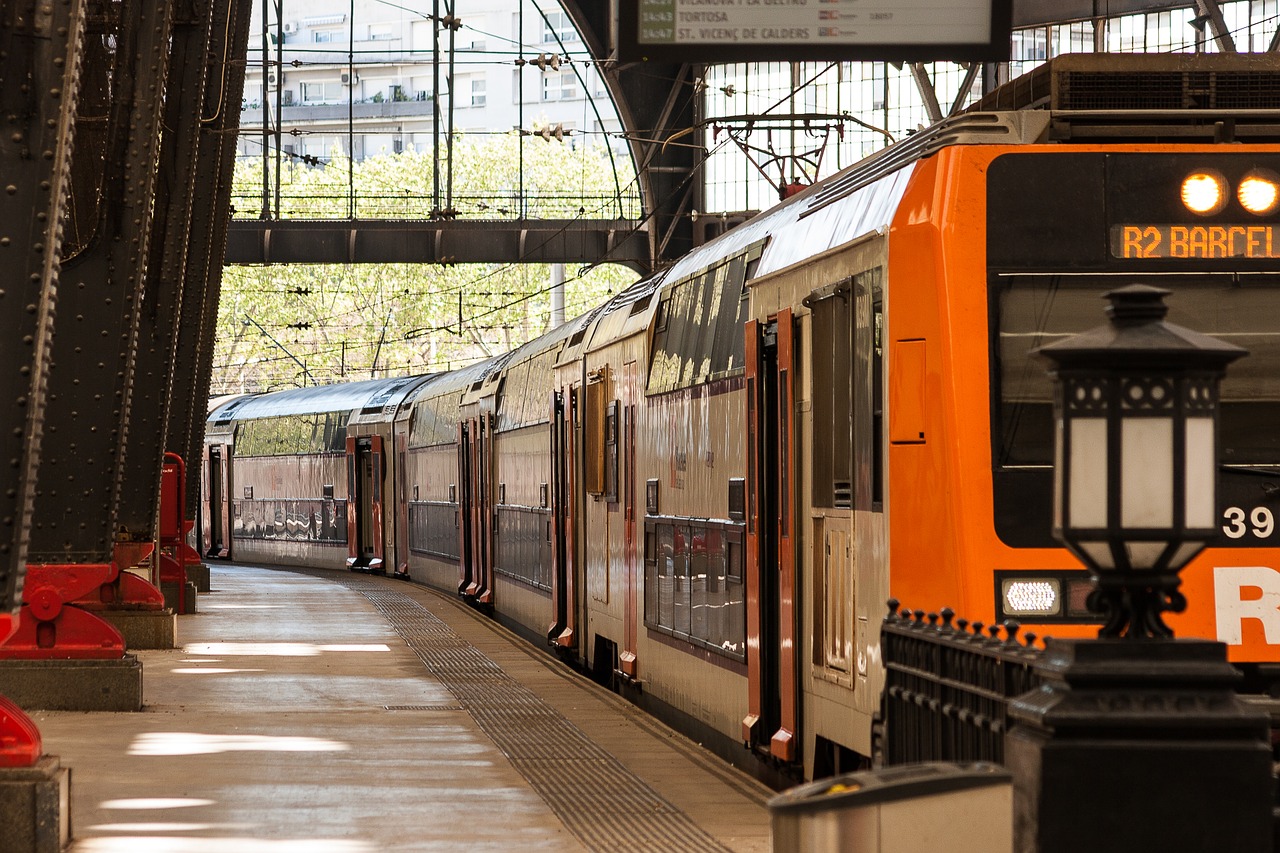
1037,309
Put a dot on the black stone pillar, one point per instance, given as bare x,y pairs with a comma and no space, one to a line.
1139,745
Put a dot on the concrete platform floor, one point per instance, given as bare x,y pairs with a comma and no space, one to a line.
292,717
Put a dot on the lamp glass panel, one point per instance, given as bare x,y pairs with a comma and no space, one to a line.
1201,477
1144,555
1146,472
1183,555
1088,478
1100,553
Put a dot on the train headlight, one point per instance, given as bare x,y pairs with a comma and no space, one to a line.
1031,596
1259,192
1204,192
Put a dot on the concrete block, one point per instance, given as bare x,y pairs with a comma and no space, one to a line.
199,575
35,807
144,629
73,685
170,590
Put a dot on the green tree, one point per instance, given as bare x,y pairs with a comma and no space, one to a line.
285,325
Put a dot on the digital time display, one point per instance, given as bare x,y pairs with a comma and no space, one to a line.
1197,242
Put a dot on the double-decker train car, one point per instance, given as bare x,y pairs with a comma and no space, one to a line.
706,489
300,477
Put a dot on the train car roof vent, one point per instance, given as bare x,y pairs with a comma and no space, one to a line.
1143,82
380,402
227,415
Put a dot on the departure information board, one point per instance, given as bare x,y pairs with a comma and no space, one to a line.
750,30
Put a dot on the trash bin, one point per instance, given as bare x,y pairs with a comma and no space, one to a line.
959,808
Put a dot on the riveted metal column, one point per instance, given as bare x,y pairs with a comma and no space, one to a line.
90,380
207,238
40,44
39,75
158,317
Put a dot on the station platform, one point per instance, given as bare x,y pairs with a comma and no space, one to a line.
326,712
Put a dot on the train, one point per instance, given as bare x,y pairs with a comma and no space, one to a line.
704,491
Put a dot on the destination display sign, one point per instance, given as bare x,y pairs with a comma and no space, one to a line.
814,29
1198,242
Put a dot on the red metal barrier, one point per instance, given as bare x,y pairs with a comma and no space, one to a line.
20,744
50,628
125,590
173,558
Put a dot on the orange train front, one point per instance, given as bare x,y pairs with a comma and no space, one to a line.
1019,243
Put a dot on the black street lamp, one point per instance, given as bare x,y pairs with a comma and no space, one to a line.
1135,471
1141,733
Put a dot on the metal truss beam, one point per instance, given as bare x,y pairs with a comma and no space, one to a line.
1210,11
462,241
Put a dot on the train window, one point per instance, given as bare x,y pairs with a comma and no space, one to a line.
832,323
698,331
288,435
666,575
1034,310
611,453
693,584
1031,310
650,573
737,499
435,421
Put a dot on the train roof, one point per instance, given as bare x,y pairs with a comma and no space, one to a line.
456,381
351,396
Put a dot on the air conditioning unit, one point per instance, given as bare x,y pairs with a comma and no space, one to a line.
290,27
349,79
273,79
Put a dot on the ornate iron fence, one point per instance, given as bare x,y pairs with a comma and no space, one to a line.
947,686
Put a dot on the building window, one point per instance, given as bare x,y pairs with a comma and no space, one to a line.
559,86
328,91
477,91
381,32
558,27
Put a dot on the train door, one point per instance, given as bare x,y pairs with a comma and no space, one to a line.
364,503
218,512
400,557
626,489
479,488
772,723
461,495
563,630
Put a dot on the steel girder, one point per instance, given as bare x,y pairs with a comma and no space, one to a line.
102,283
207,236
39,81
159,317
459,241
655,102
